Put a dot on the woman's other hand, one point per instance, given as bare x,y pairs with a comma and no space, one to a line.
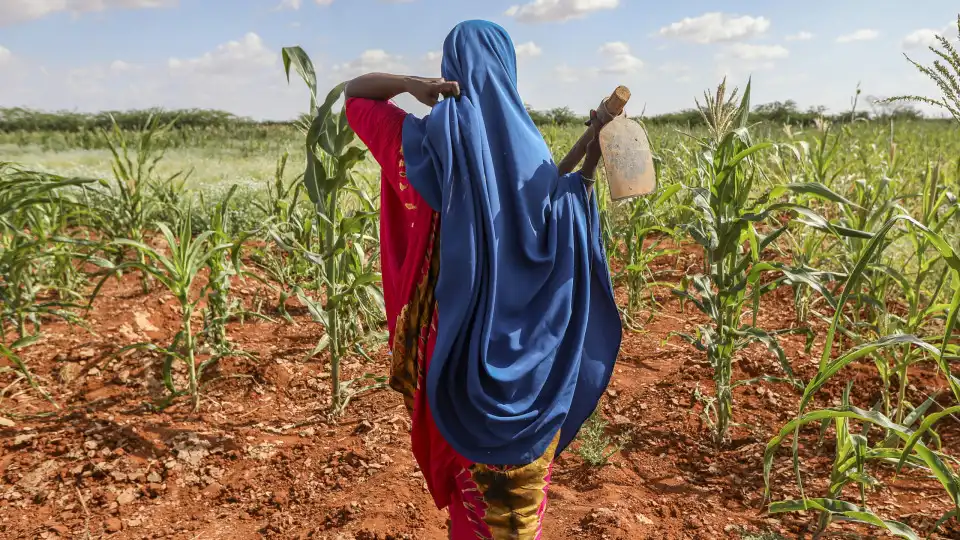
593,149
428,91
589,169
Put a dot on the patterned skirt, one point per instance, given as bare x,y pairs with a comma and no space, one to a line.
492,502
487,502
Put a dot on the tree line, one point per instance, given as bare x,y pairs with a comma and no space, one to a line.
17,119
777,112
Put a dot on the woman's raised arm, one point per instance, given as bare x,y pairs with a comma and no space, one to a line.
385,86
592,159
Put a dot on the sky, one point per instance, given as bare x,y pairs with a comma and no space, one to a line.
91,55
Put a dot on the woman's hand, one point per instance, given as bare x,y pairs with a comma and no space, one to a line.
589,169
593,149
428,91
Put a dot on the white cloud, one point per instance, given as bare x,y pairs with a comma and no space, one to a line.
244,76
539,11
290,4
620,60
16,11
528,50
565,73
864,34
228,59
370,60
750,52
614,48
119,66
431,62
927,37
715,27
295,4
5,55
738,60
924,37
800,36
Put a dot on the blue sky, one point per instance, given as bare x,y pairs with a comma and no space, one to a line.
114,54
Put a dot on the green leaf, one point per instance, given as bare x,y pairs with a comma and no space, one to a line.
298,58
332,96
846,511
315,178
316,129
925,426
351,157
866,257
941,470
25,341
952,514
813,188
756,334
827,371
744,113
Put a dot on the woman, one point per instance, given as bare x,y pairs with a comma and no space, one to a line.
502,321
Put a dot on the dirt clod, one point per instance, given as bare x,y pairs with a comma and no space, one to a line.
112,525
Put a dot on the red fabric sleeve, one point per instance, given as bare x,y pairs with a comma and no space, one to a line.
405,227
405,219
379,124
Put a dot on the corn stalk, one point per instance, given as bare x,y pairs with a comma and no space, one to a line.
347,278
914,451
36,258
177,273
728,214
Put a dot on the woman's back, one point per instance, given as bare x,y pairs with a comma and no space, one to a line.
519,246
503,325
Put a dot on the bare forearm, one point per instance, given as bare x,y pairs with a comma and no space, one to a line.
590,163
378,86
384,86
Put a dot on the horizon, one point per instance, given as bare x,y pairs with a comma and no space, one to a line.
936,115
119,55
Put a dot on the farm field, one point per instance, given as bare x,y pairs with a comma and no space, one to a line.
194,346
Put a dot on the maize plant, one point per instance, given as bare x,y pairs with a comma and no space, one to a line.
32,252
128,204
898,440
222,266
177,273
729,214
292,226
36,253
346,272
646,220
816,162
919,280
945,73
9,353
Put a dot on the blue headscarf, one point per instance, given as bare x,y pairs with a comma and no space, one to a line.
528,328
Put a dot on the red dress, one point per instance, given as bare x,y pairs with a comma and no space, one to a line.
485,501
408,227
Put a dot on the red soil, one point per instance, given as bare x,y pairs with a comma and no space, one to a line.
261,459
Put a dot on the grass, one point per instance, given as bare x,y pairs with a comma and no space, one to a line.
594,446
